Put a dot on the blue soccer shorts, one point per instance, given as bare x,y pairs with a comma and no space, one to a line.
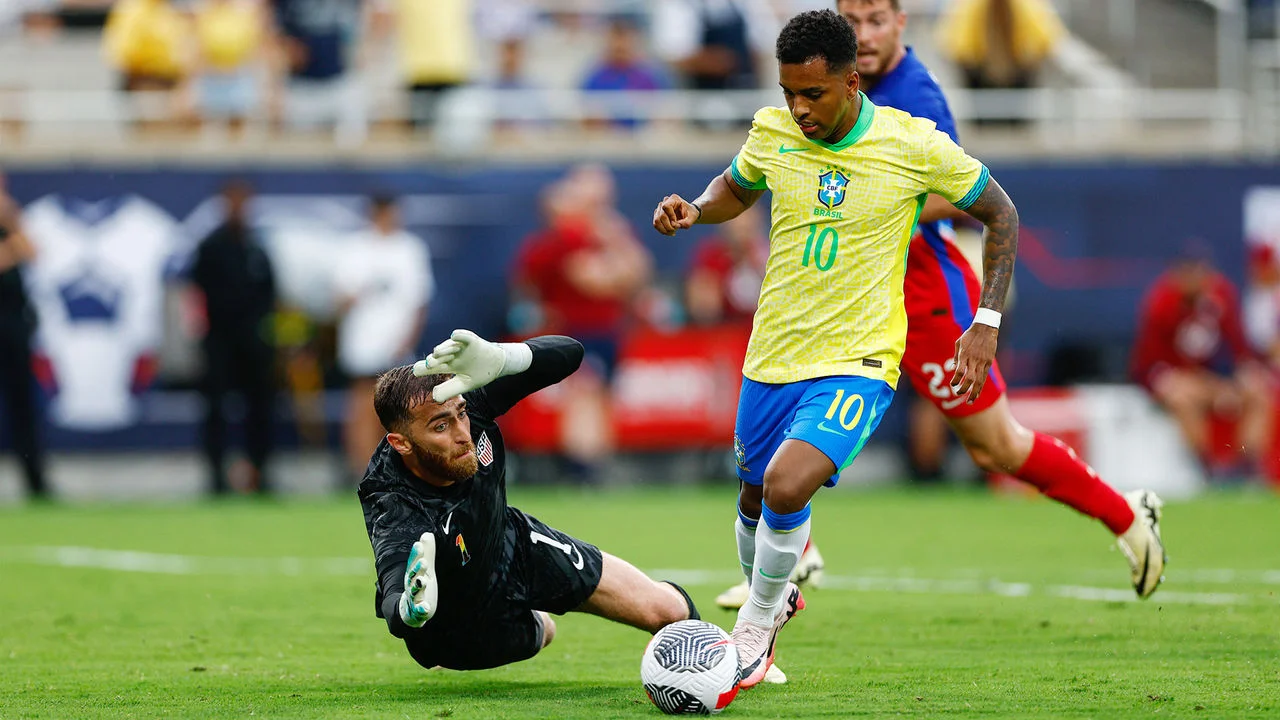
834,414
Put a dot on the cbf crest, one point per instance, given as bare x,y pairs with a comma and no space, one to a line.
831,188
740,453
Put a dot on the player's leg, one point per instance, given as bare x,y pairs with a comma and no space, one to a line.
764,412
362,431
830,423
17,393
555,572
997,442
214,387
548,627
627,595
258,372
938,313
1188,397
1257,393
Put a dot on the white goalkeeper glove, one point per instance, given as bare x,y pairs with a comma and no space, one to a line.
473,361
418,601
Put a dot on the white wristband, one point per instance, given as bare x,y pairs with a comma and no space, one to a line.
517,357
987,316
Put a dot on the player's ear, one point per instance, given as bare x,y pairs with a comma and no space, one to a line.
400,443
852,82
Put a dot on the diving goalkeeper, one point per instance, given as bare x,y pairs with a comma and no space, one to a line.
467,581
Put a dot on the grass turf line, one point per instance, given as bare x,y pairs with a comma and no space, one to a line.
79,642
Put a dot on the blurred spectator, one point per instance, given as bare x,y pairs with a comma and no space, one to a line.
30,16
723,285
230,51
17,322
530,108
316,46
1000,44
715,44
384,283
436,50
146,41
584,270
1191,355
623,66
235,276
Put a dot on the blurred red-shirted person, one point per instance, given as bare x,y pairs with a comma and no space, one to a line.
1192,356
723,285
583,271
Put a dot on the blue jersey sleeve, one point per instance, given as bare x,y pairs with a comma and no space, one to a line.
928,102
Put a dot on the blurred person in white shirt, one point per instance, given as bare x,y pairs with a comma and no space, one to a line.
384,284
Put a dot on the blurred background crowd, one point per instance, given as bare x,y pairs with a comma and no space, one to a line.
377,69
223,218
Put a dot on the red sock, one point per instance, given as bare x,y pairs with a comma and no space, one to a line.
1056,470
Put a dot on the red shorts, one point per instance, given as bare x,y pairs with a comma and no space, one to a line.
941,292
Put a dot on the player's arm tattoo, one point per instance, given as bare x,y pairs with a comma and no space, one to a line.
1000,243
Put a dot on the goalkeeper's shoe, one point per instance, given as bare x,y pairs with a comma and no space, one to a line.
775,676
1142,544
808,575
756,643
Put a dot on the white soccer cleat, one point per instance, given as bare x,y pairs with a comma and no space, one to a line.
735,597
756,642
1141,543
775,676
808,575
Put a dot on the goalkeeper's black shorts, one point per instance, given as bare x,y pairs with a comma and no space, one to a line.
550,571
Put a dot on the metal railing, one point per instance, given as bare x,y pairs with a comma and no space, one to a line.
1054,121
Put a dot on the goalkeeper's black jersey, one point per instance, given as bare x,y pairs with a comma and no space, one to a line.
467,518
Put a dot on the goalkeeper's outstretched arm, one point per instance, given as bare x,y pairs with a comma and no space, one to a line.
508,372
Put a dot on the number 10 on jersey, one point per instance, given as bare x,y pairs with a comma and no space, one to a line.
821,247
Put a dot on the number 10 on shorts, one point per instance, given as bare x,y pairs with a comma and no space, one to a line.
853,404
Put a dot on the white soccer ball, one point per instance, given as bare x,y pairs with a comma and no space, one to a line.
690,668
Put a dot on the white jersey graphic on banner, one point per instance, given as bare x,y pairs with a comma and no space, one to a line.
98,286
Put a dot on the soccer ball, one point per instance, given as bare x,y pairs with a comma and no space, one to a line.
690,668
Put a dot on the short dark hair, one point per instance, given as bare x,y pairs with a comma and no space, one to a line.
818,33
381,201
398,391
895,5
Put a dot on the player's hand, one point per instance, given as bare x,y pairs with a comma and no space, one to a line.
975,353
418,601
473,361
674,213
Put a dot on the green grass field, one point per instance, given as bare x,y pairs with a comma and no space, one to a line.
936,604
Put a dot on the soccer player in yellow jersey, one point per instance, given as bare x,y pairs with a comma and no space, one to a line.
848,182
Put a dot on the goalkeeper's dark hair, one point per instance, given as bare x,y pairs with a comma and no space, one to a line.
398,391
818,34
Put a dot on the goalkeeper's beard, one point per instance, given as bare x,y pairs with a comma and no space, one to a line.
445,465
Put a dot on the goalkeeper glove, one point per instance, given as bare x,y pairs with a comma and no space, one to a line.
473,361
418,601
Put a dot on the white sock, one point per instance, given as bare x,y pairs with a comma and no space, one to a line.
777,554
746,547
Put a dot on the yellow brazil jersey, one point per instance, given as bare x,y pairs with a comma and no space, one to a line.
842,216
